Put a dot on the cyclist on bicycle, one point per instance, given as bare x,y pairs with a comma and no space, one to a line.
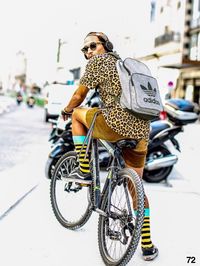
112,124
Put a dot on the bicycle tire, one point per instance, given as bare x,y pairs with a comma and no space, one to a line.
62,168
134,229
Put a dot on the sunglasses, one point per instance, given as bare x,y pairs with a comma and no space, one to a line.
92,46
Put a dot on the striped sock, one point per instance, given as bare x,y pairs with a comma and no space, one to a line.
146,236
84,165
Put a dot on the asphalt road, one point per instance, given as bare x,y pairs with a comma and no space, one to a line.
20,128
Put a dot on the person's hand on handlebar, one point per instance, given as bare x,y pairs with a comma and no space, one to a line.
66,114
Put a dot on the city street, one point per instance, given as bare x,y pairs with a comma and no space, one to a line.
30,234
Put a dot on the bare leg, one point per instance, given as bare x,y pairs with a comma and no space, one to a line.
79,131
139,171
79,122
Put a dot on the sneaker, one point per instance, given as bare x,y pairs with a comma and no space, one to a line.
77,176
149,253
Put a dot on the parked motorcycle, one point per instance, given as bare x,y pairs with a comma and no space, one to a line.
61,138
159,160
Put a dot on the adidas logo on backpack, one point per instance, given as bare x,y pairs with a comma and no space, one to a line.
140,93
151,93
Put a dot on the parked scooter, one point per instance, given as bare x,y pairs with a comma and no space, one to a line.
159,161
61,142
61,138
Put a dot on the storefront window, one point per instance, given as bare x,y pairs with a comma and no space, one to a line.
193,47
198,47
153,10
189,92
196,9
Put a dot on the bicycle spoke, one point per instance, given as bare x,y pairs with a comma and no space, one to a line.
65,194
119,234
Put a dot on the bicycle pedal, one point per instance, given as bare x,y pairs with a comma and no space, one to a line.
127,231
84,185
115,235
68,188
130,227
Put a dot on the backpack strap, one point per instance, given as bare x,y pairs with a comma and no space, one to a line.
128,70
114,54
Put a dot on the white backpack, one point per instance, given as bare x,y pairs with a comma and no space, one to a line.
140,93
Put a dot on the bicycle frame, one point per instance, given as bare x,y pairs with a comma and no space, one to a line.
116,164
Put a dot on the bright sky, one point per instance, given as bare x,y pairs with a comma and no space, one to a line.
34,27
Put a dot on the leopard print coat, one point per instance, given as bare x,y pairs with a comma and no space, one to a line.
101,73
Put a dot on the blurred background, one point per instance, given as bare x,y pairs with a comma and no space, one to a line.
41,41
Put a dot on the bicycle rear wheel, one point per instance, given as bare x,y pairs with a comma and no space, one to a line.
70,201
119,232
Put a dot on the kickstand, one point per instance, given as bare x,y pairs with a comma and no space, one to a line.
167,183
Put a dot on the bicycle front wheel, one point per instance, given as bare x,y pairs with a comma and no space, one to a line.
70,201
119,233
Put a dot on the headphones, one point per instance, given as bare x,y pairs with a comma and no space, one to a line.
106,43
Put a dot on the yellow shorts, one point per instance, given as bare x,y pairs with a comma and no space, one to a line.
133,157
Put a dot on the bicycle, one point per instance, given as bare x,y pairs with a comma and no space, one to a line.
119,203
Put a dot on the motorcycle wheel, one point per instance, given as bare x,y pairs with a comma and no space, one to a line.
157,175
50,166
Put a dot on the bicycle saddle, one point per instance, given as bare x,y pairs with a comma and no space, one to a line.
126,143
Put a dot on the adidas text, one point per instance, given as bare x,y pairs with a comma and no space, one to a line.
150,100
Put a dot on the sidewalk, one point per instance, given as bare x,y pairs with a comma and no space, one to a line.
174,225
20,179
174,215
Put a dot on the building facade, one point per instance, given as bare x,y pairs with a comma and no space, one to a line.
189,80
176,53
